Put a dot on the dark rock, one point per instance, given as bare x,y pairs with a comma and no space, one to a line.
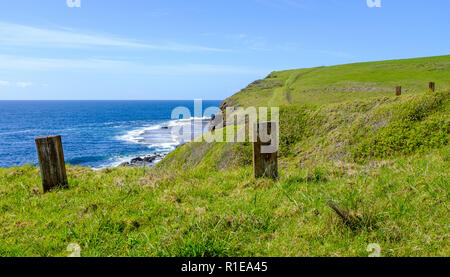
216,122
137,160
148,160
257,82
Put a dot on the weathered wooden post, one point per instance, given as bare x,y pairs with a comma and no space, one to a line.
398,91
265,150
432,86
51,161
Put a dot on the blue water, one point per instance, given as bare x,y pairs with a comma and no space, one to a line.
94,133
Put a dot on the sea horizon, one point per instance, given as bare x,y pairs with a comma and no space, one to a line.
95,133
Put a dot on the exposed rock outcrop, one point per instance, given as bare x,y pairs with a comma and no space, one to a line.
148,161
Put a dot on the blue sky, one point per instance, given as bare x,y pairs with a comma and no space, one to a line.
210,49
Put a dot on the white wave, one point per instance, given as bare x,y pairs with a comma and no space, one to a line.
136,135
162,137
164,147
158,138
19,132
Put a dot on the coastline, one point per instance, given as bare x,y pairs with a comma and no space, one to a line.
152,159
144,161
140,136
95,134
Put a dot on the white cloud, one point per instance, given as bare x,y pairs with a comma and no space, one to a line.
117,66
257,43
254,43
24,84
20,35
15,84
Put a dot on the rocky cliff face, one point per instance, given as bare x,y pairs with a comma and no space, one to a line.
219,120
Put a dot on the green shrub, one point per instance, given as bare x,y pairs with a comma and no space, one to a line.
292,127
416,126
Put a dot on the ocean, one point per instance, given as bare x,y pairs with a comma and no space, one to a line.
96,134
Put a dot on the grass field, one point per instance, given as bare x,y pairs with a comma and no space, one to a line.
323,85
344,137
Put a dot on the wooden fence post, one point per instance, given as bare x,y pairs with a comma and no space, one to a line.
398,91
432,86
265,164
51,161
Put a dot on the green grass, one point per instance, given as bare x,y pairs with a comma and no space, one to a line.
134,212
384,158
349,82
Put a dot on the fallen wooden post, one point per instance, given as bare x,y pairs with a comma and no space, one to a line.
51,162
398,91
348,217
265,150
432,86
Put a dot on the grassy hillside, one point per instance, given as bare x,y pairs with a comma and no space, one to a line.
344,137
323,85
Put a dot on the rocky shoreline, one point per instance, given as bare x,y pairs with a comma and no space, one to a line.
152,159
144,161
